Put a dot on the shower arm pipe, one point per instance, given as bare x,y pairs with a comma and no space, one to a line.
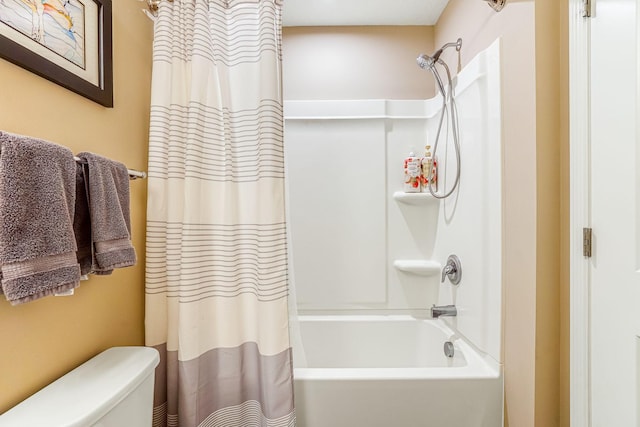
496,5
436,56
457,44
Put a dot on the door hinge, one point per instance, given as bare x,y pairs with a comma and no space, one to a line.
586,242
586,8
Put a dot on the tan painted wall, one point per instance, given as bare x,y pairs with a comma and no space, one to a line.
549,119
43,340
367,62
479,26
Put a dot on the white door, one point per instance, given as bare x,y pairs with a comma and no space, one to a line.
615,215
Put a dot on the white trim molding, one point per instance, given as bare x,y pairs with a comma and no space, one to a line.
580,126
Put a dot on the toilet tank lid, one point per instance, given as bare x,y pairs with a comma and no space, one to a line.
86,394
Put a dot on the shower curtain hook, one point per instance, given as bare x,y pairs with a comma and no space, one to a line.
153,6
497,5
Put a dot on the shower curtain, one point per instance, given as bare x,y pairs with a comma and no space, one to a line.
216,277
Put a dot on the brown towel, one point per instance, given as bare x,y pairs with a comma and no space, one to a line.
82,223
37,203
108,198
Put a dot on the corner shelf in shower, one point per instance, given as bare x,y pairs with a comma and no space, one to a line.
418,199
418,267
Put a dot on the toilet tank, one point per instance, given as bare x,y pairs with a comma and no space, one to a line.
114,389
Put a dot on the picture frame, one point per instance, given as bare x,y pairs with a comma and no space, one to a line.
68,42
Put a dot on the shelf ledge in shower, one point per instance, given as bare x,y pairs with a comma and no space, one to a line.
363,109
308,118
418,267
418,199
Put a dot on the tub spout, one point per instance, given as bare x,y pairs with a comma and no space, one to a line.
443,310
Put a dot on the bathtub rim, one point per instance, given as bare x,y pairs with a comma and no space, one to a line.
479,365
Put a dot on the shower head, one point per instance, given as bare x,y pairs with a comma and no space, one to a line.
427,62
497,5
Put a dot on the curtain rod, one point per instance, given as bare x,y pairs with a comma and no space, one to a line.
133,174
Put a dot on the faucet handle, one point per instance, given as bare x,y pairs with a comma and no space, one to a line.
452,270
448,269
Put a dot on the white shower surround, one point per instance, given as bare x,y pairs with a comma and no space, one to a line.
344,164
362,248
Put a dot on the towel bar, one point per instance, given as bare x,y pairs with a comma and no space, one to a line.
133,174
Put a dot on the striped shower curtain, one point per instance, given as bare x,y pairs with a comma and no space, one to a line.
216,278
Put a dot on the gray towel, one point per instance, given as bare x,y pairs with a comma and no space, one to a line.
108,197
37,203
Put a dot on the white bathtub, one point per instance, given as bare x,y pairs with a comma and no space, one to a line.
391,371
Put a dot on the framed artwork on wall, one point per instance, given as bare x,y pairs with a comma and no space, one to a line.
65,41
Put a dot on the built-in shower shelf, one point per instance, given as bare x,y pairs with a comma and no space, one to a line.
418,267
417,199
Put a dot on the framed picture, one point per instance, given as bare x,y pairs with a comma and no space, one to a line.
65,41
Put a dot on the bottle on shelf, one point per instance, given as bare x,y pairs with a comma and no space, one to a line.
412,170
429,163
